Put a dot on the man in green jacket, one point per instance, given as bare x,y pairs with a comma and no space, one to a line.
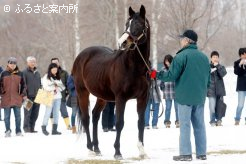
190,70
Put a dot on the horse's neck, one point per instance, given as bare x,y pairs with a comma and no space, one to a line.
140,59
144,52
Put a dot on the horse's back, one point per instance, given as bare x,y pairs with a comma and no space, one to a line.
93,55
95,51
92,69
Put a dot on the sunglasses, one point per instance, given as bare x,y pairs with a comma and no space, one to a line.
12,62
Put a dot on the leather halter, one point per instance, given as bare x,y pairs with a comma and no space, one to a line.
137,38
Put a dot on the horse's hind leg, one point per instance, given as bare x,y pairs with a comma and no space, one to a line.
83,96
99,106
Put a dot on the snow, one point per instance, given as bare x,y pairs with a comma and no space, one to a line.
225,144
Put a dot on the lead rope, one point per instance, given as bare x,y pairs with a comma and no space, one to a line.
142,57
156,89
159,97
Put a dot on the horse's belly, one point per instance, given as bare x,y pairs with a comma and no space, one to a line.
104,94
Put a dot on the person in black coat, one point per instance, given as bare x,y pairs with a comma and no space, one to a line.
33,83
216,89
240,71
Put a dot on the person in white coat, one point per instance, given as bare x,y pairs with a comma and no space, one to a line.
51,82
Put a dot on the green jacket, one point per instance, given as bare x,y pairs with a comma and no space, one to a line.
190,70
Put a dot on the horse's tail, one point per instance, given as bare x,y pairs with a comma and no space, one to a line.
75,66
76,72
79,122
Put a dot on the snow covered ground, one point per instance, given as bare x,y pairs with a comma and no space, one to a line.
225,144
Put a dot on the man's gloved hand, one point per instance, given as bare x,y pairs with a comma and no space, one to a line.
153,74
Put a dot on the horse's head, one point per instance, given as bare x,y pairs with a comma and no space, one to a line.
136,29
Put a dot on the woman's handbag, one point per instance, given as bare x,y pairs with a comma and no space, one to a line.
44,97
72,101
68,103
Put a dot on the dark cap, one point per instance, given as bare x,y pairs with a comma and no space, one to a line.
12,60
190,34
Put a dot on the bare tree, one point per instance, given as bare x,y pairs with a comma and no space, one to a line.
157,8
220,25
205,17
76,31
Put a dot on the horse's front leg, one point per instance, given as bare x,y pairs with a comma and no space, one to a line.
120,110
141,106
99,106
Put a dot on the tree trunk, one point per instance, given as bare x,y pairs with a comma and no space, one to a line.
116,23
154,36
126,10
76,31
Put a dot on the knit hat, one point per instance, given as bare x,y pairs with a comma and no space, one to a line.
12,60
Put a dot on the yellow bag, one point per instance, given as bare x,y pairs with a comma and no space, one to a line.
44,97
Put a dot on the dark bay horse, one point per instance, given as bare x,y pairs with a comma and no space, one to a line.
115,76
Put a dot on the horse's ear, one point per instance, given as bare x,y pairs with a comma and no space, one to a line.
131,11
142,11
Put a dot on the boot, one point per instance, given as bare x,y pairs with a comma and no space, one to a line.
44,130
219,123
33,131
182,158
66,120
54,130
237,122
167,124
74,131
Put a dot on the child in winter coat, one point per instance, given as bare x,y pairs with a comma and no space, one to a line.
216,88
169,94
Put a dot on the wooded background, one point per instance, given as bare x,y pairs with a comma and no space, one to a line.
220,25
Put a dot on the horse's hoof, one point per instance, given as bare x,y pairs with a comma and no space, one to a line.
91,153
142,153
143,156
98,153
118,157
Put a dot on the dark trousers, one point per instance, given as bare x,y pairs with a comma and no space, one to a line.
0,114
31,116
63,110
108,117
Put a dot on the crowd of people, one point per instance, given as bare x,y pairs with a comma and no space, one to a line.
17,86
185,80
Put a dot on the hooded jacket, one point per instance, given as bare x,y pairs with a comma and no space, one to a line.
12,88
